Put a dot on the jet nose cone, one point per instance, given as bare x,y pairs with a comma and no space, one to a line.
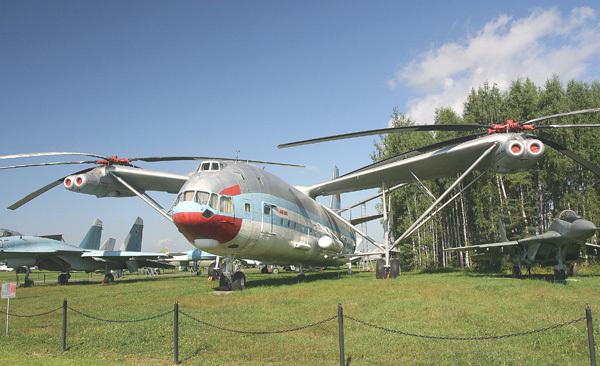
584,228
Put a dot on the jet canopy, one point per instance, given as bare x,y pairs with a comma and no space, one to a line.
568,216
5,233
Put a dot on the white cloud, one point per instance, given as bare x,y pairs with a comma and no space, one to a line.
538,46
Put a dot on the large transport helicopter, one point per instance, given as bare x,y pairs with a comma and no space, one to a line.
234,209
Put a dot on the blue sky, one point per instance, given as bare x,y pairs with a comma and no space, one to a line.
142,78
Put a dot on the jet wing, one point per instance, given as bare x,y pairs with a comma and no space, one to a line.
544,237
483,246
107,256
150,180
431,162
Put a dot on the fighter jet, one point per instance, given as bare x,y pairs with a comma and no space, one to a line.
51,253
559,246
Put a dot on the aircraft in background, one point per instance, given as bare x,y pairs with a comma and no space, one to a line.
235,210
194,256
560,246
53,254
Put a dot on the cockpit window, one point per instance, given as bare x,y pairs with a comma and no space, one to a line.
6,233
568,215
213,201
226,205
214,166
210,166
202,197
205,166
188,196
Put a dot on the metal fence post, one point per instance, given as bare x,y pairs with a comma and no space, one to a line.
341,334
176,333
64,326
590,331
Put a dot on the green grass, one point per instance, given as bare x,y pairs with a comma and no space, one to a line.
457,303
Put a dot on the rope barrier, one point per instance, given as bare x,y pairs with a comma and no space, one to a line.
118,320
32,315
258,332
453,338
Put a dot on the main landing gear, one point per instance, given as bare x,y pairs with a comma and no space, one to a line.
393,271
27,282
231,279
63,278
108,276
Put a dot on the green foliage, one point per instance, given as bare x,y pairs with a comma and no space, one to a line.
525,202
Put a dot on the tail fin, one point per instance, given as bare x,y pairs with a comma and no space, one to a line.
92,238
109,244
133,242
336,201
501,230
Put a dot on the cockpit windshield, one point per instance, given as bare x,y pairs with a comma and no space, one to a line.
5,233
568,216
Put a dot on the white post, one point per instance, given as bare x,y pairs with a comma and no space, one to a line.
7,310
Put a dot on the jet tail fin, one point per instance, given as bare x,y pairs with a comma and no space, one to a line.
92,238
501,230
109,244
133,242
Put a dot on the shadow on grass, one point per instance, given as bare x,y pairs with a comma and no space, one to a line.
294,280
98,281
533,277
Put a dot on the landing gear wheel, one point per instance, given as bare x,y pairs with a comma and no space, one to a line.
108,278
28,283
264,270
225,282
239,281
275,270
63,278
380,269
395,268
573,269
560,275
516,271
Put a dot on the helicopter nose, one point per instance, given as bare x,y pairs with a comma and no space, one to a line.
584,228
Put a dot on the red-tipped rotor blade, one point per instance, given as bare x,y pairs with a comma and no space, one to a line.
43,190
153,159
38,154
381,131
572,155
581,125
48,164
582,111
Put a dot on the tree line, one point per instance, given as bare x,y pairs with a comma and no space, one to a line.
525,202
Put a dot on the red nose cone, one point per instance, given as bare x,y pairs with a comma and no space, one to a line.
196,225
516,148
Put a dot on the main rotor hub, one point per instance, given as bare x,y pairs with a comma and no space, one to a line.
113,160
510,126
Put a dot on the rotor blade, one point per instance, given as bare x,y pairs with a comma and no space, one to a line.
460,127
152,159
48,164
42,190
32,155
575,157
582,111
580,125
418,151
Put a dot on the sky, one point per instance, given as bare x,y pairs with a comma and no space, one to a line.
222,78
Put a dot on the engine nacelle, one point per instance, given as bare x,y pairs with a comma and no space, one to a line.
96,182
330,244
518,154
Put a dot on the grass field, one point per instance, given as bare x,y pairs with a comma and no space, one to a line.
457,303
